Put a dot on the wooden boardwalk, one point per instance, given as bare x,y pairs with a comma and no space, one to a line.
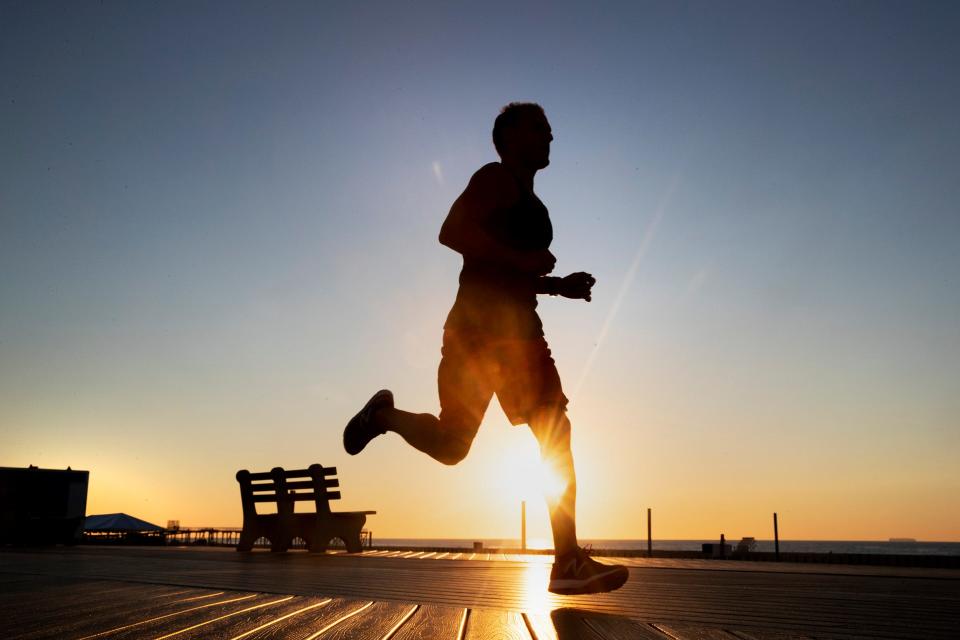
116,592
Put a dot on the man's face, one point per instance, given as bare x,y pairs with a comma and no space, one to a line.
530,141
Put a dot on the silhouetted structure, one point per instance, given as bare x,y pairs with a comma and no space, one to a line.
42,506
114,528
317,529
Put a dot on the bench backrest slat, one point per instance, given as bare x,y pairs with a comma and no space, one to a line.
273,486
294,497
296,473
260,487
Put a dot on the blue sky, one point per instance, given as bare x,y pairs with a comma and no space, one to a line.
218,236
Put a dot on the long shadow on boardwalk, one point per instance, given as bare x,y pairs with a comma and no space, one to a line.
577,624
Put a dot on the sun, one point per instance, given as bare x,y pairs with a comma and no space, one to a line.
550,482
524,476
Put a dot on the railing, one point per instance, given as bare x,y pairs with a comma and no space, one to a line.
230,537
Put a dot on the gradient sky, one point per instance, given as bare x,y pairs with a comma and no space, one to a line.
218,231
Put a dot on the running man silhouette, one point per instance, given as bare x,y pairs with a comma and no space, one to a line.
493,340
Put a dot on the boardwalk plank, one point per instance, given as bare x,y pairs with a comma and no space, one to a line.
47,598
561,624
541,626
308,622
76,616
37,609
430,621
182,630
136,627
620,628
373,622
693,632
767,634
246,623
15,587
485,624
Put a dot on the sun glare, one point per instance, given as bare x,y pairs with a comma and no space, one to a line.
526,477
550,482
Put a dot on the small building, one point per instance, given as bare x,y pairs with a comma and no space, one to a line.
42,506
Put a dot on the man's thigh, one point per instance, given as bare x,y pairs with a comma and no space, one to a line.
466,380
528,381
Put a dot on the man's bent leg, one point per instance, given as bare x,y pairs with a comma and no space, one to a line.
551,427
465,391
425,432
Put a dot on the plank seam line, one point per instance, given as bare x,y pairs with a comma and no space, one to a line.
396,627
526,621
664,631
462,630
169,595
337,621
289,615
229,615
209,595
168,615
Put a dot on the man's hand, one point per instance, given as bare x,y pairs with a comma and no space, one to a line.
538,263
576,286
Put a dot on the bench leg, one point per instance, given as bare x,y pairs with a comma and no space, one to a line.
351,534
319,538
246,541
353,543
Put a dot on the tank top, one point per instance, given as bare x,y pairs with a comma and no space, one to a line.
494,299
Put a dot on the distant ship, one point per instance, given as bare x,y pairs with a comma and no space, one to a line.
903,539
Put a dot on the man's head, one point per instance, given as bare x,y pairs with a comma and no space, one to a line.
522,133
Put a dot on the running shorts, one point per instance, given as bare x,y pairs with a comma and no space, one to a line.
475,366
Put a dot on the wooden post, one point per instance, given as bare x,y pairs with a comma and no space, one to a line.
284,534
649,536
523,526
723,544
776,538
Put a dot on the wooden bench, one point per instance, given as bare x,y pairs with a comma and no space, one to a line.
280,528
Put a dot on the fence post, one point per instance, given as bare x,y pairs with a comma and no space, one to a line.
776,538
523,526
649,536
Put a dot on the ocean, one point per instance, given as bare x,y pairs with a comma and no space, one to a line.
795,546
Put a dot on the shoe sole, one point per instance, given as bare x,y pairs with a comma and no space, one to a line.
602,583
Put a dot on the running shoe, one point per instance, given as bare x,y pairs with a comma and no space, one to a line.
361,429
576,572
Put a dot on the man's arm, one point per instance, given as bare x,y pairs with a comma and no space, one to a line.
577,286
489,189
549,285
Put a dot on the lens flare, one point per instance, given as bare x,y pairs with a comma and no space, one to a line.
627,281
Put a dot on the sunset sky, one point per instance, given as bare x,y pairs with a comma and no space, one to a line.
218,237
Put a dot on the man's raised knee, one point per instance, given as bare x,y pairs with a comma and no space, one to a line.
454,452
